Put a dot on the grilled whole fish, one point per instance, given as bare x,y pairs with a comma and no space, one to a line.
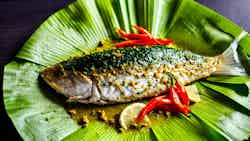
126,74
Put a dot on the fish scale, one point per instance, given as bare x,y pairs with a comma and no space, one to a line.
126,74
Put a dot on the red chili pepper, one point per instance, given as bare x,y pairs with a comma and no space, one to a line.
128,43
135,43
164,41
149,43
152,105
142,39
182,93
173,96
133,36
141,30
170,102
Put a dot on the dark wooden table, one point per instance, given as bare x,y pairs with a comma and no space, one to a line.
20,18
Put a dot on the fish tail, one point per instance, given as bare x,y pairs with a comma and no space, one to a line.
229,60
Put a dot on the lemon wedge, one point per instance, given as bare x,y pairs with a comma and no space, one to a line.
130,114
193,93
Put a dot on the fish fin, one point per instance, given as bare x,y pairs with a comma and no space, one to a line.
230,63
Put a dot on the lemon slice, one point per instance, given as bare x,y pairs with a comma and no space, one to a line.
130,114
193,93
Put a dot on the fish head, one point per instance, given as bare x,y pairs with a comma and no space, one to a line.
74,85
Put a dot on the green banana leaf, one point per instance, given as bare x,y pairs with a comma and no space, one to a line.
222,116
235,88
39,114
195,26
230,79
238,93
35,114
244,52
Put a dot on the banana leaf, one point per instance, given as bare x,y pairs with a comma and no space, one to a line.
35,114
76,29
230,79
238,93
244,52
235,88
221,115
40,114
195,26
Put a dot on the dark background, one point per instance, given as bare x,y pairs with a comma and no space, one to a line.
20,18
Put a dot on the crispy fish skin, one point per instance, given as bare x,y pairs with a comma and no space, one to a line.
126,74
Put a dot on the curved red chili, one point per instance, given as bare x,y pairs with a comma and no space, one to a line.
135,43
164,41
173,96
182,93
142,39
133,36
128,43
141,29
152,105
